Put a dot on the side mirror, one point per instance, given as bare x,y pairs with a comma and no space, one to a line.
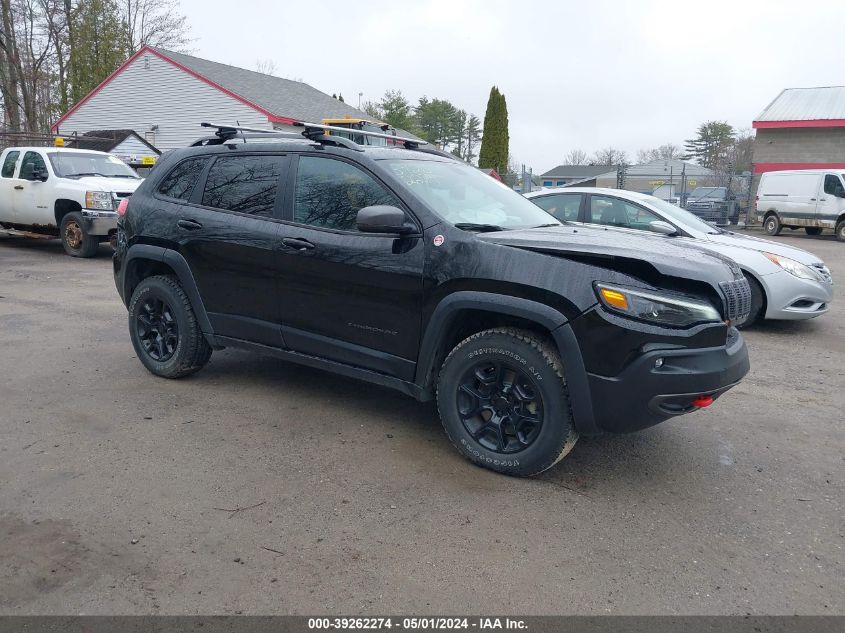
664,228
40,174
383,219
840,193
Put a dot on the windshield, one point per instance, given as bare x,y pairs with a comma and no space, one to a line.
468,198
677,214
709,193
78,164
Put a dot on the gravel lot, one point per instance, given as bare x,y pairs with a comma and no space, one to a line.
258,486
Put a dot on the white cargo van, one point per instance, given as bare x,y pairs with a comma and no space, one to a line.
810,198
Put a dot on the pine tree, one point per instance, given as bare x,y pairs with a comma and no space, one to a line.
495,140
100,45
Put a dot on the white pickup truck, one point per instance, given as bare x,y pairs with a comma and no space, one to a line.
69,193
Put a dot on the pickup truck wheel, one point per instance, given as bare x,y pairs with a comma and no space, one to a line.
771,225
840,231
504,402
76,241
164,329
813,230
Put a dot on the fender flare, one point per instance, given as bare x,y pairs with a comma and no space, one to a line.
183,273
570,352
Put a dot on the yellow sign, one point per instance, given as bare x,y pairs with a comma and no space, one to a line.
692,183
656,183
148,160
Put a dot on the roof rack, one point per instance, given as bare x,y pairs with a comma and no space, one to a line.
315,132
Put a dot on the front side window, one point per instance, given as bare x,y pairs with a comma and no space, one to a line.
32,162
246,184
610,211
9,164
563,206
180,182
329,193
832,184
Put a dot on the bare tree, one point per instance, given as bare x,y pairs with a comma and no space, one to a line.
155,23
610,156
575,157
668,151
265,66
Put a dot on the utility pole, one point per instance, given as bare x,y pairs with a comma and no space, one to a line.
360,94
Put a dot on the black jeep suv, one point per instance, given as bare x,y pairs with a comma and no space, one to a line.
412,270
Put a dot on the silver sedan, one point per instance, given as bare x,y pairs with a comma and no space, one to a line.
786,282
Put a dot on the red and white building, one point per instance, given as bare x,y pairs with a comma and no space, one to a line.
803,128
164,96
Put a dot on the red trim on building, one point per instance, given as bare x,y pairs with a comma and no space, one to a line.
271,117
793,124
761,168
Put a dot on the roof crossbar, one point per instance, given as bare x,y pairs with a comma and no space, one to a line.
314,132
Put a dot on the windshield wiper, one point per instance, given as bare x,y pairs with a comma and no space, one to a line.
84,173
540,226
481,228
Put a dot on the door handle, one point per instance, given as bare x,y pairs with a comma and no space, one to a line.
189,225
19,187
822,199
297,243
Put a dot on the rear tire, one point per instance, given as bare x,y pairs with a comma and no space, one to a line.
771,225
504,402
758,302
840,231
164,329
813,230
76,241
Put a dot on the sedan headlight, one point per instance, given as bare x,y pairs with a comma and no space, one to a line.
791,266
101,200
663,308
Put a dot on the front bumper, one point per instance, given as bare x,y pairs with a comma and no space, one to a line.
643,394
99,222
791,298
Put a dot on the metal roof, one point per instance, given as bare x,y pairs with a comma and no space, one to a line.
283,97
806,104
577,171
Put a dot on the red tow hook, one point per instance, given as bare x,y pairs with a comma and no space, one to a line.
702,401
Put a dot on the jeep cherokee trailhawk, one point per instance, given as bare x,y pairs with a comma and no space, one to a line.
412,270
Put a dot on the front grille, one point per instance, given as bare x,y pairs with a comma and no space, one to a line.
737,300
823,272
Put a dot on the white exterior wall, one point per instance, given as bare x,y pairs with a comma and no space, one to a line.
151,91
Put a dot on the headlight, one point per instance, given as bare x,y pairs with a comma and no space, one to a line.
99,200
791,266
656,307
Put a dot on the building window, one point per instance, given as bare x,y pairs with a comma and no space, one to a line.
547,183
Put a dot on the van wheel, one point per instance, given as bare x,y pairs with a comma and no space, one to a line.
771,225
504,402
77,242
758,302
840,231
813,230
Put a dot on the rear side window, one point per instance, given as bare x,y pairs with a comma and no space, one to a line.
329,193
180,182
9,164
563,206
246,184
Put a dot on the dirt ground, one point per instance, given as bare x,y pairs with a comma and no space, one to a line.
258,486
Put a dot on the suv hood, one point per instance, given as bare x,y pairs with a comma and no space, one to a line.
103,183
759,244
668,257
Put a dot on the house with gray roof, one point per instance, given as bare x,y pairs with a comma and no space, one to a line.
567,174
164,96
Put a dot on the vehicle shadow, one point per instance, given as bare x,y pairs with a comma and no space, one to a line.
47,246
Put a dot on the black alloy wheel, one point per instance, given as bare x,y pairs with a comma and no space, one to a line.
157,329
500,407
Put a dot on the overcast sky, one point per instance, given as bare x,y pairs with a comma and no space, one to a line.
586,74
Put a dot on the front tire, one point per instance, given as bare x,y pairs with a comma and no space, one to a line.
840,231
75,239
504,402
758,302
771,225
813,230
164,329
